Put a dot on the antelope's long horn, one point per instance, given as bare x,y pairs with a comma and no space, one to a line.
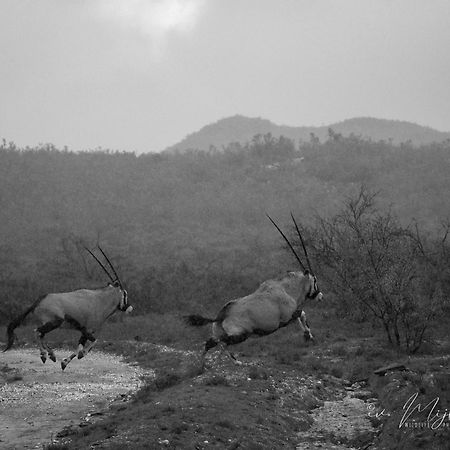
110,265
303,243
288,243
101,265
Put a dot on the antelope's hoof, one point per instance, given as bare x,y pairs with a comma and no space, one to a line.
64,364
52,357
43,359
307,336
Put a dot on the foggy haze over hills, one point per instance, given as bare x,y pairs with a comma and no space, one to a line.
242,129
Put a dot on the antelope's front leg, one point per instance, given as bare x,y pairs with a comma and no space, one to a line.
303,323
67,360
51,353
81,350
84,350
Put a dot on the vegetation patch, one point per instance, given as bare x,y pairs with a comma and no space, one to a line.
198,238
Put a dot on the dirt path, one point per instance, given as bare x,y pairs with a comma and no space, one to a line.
38,400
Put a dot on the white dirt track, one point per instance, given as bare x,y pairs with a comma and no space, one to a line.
39,400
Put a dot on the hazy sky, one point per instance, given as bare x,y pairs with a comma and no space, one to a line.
139,75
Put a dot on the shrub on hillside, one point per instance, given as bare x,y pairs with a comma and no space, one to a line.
383,271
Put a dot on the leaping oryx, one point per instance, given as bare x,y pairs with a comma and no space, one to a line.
275,304
85,310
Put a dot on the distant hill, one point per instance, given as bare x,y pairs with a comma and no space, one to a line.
242,129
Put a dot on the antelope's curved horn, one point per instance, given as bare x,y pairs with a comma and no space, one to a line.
288,243
110,265
303,243
101,265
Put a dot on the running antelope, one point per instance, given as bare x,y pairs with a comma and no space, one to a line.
275,304
85,310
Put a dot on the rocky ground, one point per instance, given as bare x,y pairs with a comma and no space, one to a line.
164,398
251,406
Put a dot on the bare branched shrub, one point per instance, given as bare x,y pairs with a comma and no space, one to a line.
381,270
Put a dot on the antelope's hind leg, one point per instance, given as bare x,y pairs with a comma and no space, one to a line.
231,340
221,338
213,341
233,334
41,332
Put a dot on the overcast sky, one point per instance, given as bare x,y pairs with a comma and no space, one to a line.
138,75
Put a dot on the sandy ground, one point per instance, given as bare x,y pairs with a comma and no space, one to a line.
38,400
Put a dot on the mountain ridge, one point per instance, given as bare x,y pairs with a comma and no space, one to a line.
241,129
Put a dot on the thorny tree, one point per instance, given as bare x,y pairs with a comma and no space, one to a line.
382,270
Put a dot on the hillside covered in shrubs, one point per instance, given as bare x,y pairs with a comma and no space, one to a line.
190,230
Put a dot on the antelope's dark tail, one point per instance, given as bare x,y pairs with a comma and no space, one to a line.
10,335
196,320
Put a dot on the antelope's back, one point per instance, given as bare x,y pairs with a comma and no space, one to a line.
264,309
85,306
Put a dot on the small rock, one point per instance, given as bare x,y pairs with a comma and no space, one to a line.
392,367
363,395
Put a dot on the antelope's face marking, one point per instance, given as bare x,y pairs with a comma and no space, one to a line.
314,291
124,305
